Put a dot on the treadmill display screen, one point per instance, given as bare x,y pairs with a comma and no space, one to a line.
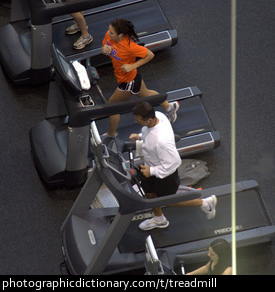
108,156
116,162
66,70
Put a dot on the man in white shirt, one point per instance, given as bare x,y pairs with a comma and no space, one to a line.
161,162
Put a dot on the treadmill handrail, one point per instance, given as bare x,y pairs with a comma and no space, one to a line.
81,117
130,203
43,14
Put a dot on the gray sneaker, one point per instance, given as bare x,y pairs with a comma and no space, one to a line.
82,42
172,114
152,223
72,29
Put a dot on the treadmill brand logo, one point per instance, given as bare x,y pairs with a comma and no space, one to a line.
227,229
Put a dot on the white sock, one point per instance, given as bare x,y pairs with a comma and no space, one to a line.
169,108
159,218
204,203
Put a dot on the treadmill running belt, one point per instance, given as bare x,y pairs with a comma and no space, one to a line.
147,17
190,224
192,119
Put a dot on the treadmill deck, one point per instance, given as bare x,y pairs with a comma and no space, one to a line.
190,224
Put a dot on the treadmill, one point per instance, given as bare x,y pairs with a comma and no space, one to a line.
60,143
35,24
100,234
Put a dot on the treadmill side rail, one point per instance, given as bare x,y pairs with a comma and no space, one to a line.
198,143
160,40
183,93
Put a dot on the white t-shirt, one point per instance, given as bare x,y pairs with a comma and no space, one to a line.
159,148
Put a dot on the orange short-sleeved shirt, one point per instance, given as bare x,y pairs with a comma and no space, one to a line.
124,52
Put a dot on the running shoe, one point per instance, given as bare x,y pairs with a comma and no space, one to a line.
105,135
210,208
72,29
172,113
82,42
152,223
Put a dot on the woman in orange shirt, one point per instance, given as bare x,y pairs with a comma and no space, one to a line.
120,45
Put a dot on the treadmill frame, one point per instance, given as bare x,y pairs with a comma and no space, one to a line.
99,254
72,164
33,65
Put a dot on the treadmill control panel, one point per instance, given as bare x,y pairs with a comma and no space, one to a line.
115,161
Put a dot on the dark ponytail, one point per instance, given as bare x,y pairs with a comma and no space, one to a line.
125,27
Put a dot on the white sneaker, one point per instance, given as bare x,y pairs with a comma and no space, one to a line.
172,114
210,208
152,223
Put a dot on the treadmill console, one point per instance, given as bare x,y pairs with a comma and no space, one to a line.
115,161
66,71
109,158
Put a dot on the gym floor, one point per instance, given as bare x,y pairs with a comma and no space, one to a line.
31,216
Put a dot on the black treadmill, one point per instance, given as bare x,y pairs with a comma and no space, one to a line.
60,143
36,24
100,234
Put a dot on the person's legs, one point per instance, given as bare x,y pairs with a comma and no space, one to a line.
144,91
208,205
171,108
118,95
81,23
156,210
191,203
153,186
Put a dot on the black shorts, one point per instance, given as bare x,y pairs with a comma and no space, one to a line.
161,186
133,86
